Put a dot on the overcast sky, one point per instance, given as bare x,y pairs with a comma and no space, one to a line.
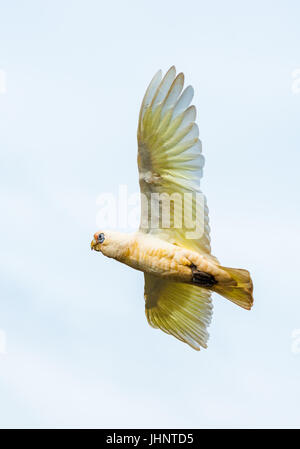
76,350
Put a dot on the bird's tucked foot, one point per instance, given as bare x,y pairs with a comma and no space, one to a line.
201,278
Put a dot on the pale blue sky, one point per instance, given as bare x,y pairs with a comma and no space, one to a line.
79,349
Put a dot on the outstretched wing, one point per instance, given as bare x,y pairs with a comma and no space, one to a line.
170,163
181,310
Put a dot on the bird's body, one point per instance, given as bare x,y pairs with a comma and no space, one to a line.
174,253
160,258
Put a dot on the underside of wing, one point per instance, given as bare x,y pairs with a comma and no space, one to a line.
170,164
181,310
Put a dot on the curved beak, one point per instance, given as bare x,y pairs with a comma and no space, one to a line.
93,244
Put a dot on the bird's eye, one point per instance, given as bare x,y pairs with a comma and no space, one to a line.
101,238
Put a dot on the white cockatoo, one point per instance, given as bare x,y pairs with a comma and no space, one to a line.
180,272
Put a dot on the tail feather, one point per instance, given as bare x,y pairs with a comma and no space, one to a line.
239,290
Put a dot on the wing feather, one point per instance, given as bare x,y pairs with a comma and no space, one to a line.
173,94
150,92
163,88
184,101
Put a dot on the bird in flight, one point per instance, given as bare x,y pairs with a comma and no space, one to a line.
172,245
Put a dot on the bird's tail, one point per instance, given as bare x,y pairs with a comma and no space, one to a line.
238,289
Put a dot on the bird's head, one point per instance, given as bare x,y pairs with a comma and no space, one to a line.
109,243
